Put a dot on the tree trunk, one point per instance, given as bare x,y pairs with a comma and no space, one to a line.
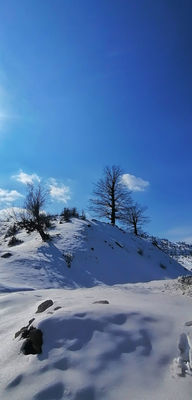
44,236
113,205
135,229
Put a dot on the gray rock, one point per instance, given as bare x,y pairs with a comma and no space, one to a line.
43,306
23,332
33,342
27,347
189,323
6,255
31,320
36,337
101,302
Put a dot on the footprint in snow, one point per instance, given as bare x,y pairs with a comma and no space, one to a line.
15,382
53,392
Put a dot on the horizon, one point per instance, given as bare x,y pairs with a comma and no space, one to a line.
88,84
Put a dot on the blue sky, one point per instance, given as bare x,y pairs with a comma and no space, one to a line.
85,84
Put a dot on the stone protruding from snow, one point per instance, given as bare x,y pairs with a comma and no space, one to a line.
43,306
6,255
101,302
33,343
24,330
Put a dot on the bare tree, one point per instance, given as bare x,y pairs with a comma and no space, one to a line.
35,218
135,218
110,195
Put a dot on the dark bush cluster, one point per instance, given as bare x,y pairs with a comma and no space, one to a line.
69,213
36,224
14,241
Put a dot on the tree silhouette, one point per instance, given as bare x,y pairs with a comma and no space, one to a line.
110,195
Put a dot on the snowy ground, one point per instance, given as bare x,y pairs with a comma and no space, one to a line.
137,347
186,261
127,349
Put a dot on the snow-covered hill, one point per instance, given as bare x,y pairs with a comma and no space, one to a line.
102,337
81,254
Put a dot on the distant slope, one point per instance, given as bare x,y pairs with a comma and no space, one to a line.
179,251
81,254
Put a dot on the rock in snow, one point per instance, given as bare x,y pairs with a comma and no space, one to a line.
33,342
43,306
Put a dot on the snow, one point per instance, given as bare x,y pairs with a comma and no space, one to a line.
137,346
10,214
98,254
125,349
179,251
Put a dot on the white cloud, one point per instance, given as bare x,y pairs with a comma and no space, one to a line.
133,183
59,191
26,178
8,196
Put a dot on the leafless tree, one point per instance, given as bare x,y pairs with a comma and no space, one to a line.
135,218
110,195
35,218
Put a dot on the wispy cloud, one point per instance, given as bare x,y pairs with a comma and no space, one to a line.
8,196
180,233
187,239
134,183
26,179
59,191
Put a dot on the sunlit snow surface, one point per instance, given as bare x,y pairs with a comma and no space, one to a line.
137,347
127,349
99,253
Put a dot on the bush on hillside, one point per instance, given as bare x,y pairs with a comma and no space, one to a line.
31,225
69,213
34,219
14,241
68,259
83,216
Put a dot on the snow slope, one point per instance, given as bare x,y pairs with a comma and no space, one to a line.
137,344
179,251
81,254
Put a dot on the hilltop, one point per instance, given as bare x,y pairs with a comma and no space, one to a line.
117,323
81,254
